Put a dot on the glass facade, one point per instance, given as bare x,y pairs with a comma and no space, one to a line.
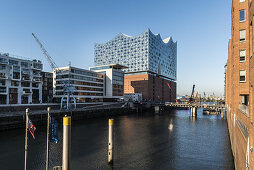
145,52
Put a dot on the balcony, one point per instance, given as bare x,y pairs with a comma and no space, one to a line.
3,61
25,72
244,109
3,76
26,79
3,90
35,79
26,92
37,75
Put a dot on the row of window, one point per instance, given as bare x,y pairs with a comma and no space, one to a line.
80,83
78,77
82,94
81,88
86,72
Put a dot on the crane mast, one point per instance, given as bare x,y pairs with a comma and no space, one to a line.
68,89
192,93
50,60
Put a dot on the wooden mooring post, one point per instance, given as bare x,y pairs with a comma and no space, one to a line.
110,141
157,109
221,113
193,111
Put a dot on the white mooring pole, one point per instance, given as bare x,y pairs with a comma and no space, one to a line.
110,141
25,167
66,161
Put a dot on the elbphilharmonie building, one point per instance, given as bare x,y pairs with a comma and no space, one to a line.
151,62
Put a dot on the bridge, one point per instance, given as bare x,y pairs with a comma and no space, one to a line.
198,105
191,106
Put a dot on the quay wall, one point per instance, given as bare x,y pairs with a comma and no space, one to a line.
18,121
38,115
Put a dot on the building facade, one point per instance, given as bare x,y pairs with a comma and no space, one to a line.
20,80
87,85
151,62
47,87
239,84
113,82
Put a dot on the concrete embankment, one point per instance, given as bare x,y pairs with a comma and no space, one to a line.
15,118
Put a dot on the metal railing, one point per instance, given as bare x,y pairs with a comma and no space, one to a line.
2,90
244,109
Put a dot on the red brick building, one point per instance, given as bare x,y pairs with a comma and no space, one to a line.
239,83
152,87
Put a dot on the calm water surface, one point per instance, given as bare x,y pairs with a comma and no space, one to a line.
141,141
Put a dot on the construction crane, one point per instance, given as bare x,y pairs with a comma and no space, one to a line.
50,60
192,93
68,89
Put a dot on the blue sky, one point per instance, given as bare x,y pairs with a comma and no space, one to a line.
69,30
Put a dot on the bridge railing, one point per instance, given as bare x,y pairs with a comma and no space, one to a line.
185,104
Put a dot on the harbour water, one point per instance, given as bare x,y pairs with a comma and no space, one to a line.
171,140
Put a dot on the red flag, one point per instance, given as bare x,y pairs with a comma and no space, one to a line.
31,127
176,101
169,87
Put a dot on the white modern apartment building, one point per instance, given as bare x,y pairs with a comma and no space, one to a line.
114,80
20,80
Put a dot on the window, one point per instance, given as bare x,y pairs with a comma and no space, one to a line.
245,100
2,67
242,55
242,15
13,62
14,83
242,35
241,0
242,76
24,64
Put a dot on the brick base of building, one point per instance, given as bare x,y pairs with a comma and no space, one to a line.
153,88
241,137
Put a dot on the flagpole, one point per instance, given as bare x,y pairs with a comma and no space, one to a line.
26,138
47,154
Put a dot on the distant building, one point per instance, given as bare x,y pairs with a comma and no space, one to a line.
47,87
133,97
142,53
20,80
114,80
151,62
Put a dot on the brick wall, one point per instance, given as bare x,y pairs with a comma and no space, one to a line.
234,89
153,88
